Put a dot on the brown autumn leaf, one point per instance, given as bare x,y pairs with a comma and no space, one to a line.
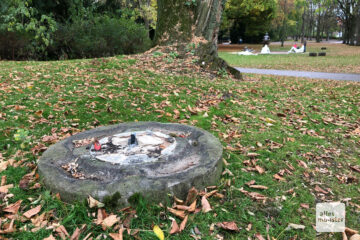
209,194
4,165
302,164
28,214
5,188
182,207
355,168
278,177
205,205
24,182
319,189
252,182
259,187
259,169
61,230
83,142
178,213
39,113
228,226
304,205
50,139
3,179
38,149
117,236
183,224
259,236
174,227
192,195
178,201
76,234
351,231
251,154
13,208
192,207
11,228
109,221
51,237
257,196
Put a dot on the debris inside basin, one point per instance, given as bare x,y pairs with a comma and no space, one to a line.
134,147
149,158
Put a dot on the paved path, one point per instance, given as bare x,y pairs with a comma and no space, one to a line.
321,75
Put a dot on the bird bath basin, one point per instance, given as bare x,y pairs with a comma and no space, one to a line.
149,158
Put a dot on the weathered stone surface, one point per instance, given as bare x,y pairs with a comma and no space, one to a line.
196,161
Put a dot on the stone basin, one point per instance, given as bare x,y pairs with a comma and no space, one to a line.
166,159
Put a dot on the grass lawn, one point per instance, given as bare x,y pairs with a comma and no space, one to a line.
297,138
339,58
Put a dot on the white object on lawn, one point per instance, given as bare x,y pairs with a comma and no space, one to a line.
265,49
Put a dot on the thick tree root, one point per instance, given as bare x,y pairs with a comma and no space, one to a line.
207,52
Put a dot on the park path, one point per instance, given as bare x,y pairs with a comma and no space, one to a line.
320,75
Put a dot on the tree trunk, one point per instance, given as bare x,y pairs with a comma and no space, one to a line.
182,22
302,34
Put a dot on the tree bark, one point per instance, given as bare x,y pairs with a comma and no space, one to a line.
181,22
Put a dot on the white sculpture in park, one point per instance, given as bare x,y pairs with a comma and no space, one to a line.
265,49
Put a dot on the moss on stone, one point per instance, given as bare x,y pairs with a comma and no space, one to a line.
112,201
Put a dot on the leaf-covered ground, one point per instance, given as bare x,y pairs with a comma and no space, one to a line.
288,144
339,58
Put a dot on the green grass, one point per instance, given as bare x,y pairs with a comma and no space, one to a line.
71,96
340,58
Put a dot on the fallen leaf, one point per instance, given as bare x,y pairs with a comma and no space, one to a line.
109,221
192,194
228,226
259,169
319,189
250,182
5,188
174,227
205,205
278,177
10,229
351,231
210,193
258,187
178,213
4,165
117,236
304,205
259,236
32,212
355,168
249,226
94,203
76,234
13,208
183,224
83,142
257,196
294,226
158,232
302,164
51,237
192,207
61,230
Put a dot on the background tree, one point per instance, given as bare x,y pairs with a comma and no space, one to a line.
248,19
349,13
